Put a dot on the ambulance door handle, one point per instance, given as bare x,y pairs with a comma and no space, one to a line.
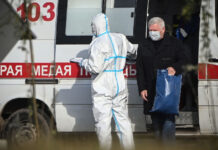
213,60
132,15
41,81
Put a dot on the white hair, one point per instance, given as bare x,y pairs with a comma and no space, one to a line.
156,20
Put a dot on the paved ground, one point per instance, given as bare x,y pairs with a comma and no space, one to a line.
88,141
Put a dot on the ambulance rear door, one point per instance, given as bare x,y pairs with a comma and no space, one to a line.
208,68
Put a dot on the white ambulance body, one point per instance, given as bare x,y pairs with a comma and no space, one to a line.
66,94
62,31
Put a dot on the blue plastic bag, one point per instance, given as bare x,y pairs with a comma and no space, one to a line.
168,89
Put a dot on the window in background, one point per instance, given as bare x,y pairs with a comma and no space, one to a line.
79,16
121,16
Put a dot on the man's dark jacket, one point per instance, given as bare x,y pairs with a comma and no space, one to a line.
171,53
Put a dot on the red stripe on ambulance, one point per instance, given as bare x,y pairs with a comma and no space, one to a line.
212,71
207,72
49,70
13,70
202,71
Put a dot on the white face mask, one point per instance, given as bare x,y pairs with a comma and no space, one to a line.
155,35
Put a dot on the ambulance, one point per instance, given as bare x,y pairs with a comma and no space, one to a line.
60,30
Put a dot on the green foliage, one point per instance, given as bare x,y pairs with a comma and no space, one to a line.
190,7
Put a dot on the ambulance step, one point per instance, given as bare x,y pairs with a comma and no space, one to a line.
186,119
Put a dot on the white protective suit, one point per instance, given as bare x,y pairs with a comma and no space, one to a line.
107,58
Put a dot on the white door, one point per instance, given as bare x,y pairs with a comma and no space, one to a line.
208,70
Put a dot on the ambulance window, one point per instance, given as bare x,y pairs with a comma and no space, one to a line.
79,16
121,16
74,19
216,17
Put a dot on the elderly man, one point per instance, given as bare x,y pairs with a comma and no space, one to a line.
159,51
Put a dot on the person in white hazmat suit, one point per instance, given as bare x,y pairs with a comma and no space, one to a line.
107,58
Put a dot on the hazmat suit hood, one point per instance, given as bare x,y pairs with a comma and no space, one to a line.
99,24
